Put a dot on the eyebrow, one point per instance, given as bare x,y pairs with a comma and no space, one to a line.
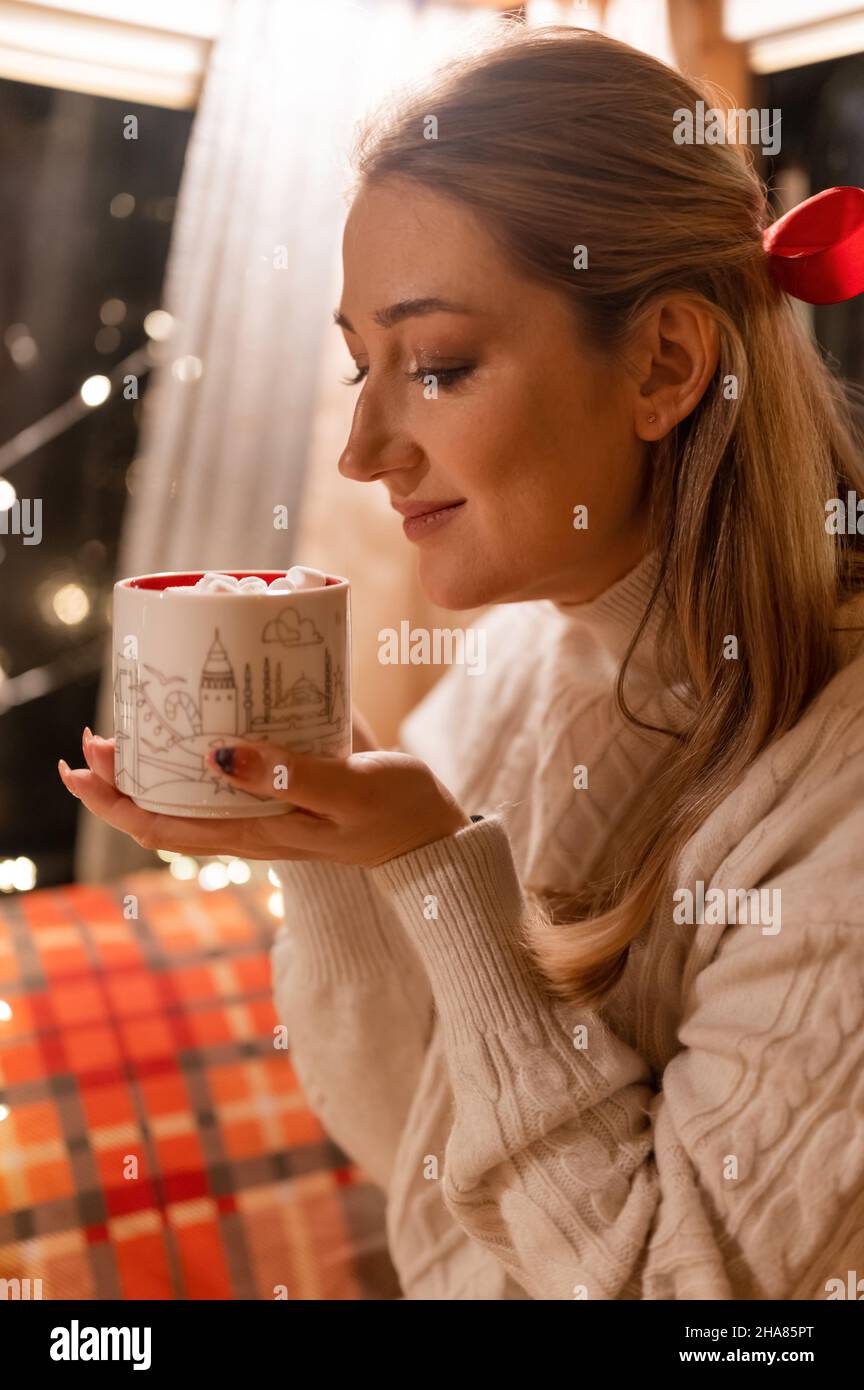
405,309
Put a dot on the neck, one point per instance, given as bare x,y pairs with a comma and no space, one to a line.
623,602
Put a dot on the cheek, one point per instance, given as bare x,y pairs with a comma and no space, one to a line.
494,432
555,463
475,445
526,446
531,444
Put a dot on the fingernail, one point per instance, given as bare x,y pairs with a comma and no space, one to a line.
235,762
224,758
65,770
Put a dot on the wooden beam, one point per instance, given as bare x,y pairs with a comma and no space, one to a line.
703,51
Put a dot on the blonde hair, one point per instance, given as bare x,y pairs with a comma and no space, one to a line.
555,136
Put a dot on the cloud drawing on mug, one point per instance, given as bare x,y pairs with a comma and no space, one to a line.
291,630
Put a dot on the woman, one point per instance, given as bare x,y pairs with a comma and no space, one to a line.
606,1042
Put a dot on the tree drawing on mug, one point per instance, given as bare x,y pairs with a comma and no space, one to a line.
164,731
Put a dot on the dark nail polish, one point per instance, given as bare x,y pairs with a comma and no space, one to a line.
225,758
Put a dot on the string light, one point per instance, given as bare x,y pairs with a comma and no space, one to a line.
159,325
184,868
187,369
5,1011
112,312
17,875
22,346
122,205
213,876
228,869
57,421
275,904
71,604
95,390
8,495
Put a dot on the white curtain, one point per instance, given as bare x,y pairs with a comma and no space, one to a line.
229,418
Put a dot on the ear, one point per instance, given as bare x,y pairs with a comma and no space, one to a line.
675,354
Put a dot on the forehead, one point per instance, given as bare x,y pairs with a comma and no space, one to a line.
402,239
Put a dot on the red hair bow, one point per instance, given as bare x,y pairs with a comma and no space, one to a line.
816,251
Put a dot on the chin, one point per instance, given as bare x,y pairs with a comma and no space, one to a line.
450,589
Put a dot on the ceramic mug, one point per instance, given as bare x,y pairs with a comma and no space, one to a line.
195,670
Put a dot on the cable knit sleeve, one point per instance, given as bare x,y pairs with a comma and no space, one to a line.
357,1006
739,1178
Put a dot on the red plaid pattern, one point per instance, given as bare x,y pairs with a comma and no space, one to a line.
156,1145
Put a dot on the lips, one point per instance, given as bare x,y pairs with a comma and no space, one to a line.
427,518
415,509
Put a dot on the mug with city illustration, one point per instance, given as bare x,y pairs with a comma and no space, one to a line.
196,670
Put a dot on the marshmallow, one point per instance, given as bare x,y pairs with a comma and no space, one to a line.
302,577
298,578
213,583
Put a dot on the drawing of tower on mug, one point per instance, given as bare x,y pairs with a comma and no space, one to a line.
164,734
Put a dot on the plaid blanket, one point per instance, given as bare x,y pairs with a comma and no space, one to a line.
153,1142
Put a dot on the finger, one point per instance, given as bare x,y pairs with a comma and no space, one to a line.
99,755
118,810
275,837
325,786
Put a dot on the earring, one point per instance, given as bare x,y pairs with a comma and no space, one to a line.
651,419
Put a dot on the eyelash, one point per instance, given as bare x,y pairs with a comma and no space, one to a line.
447,377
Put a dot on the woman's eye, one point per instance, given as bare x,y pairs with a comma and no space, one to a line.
444,376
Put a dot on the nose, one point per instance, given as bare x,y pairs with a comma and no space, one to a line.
376,446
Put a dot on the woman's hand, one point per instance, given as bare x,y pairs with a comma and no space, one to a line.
364,809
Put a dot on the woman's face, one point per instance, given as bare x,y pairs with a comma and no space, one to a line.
527,423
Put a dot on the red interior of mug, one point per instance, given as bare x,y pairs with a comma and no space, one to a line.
173,581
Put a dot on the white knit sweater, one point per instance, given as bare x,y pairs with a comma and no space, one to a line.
701,1137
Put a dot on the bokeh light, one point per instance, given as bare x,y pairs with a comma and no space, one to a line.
71,604
159,325
95,390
